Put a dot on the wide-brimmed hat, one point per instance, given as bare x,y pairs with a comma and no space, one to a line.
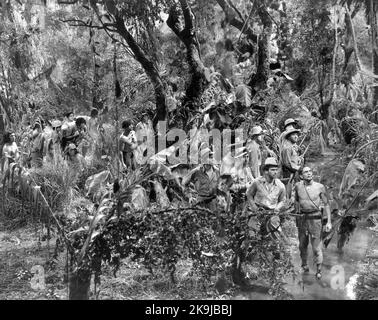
289,121
270,162
56,123
206,152
289,132
257,130
72,146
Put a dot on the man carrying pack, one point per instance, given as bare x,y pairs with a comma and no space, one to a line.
308,198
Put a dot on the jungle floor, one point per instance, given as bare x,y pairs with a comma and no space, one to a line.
351,274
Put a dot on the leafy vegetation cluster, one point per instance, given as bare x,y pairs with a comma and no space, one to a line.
224,64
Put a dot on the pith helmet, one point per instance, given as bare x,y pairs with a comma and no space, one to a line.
56,123
257,130
270,162
289,121
289,132
72,146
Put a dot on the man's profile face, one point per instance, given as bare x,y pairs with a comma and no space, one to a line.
260,138
307,174
224,184
294,137
207,167
272,172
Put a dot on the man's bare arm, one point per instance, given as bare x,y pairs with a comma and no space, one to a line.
251,192
296,200
323,195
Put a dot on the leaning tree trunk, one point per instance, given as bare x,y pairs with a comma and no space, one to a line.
2,131
150,69
198,81
259,79
79,284
348,48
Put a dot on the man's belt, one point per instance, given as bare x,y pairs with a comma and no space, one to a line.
311,215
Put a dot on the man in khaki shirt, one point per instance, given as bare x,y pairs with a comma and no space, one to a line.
254,151
267,192
288,125
291,161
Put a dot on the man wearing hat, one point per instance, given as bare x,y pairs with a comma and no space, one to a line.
69,130
290,159
267,191
38,142
205,179
254,151
308,198
288,125
53,145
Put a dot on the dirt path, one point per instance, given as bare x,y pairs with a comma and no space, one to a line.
20,255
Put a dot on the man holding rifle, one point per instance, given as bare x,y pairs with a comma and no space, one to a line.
290,159
309,197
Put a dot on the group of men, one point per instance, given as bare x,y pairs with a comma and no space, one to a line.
70,138
263,189
309,197
255,173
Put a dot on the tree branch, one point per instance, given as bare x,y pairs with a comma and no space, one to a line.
67,2
234,21
173,23
231,4
113,30
80,23
188,16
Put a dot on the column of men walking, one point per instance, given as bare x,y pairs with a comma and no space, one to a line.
255,172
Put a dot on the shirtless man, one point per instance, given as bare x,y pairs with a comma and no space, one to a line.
69,130
128,144
10,150
308,198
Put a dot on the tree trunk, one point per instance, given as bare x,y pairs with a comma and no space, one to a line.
231,16
198,81
258,80
348,47
79,284
349,20
6,108
374,40
2,131
149,68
